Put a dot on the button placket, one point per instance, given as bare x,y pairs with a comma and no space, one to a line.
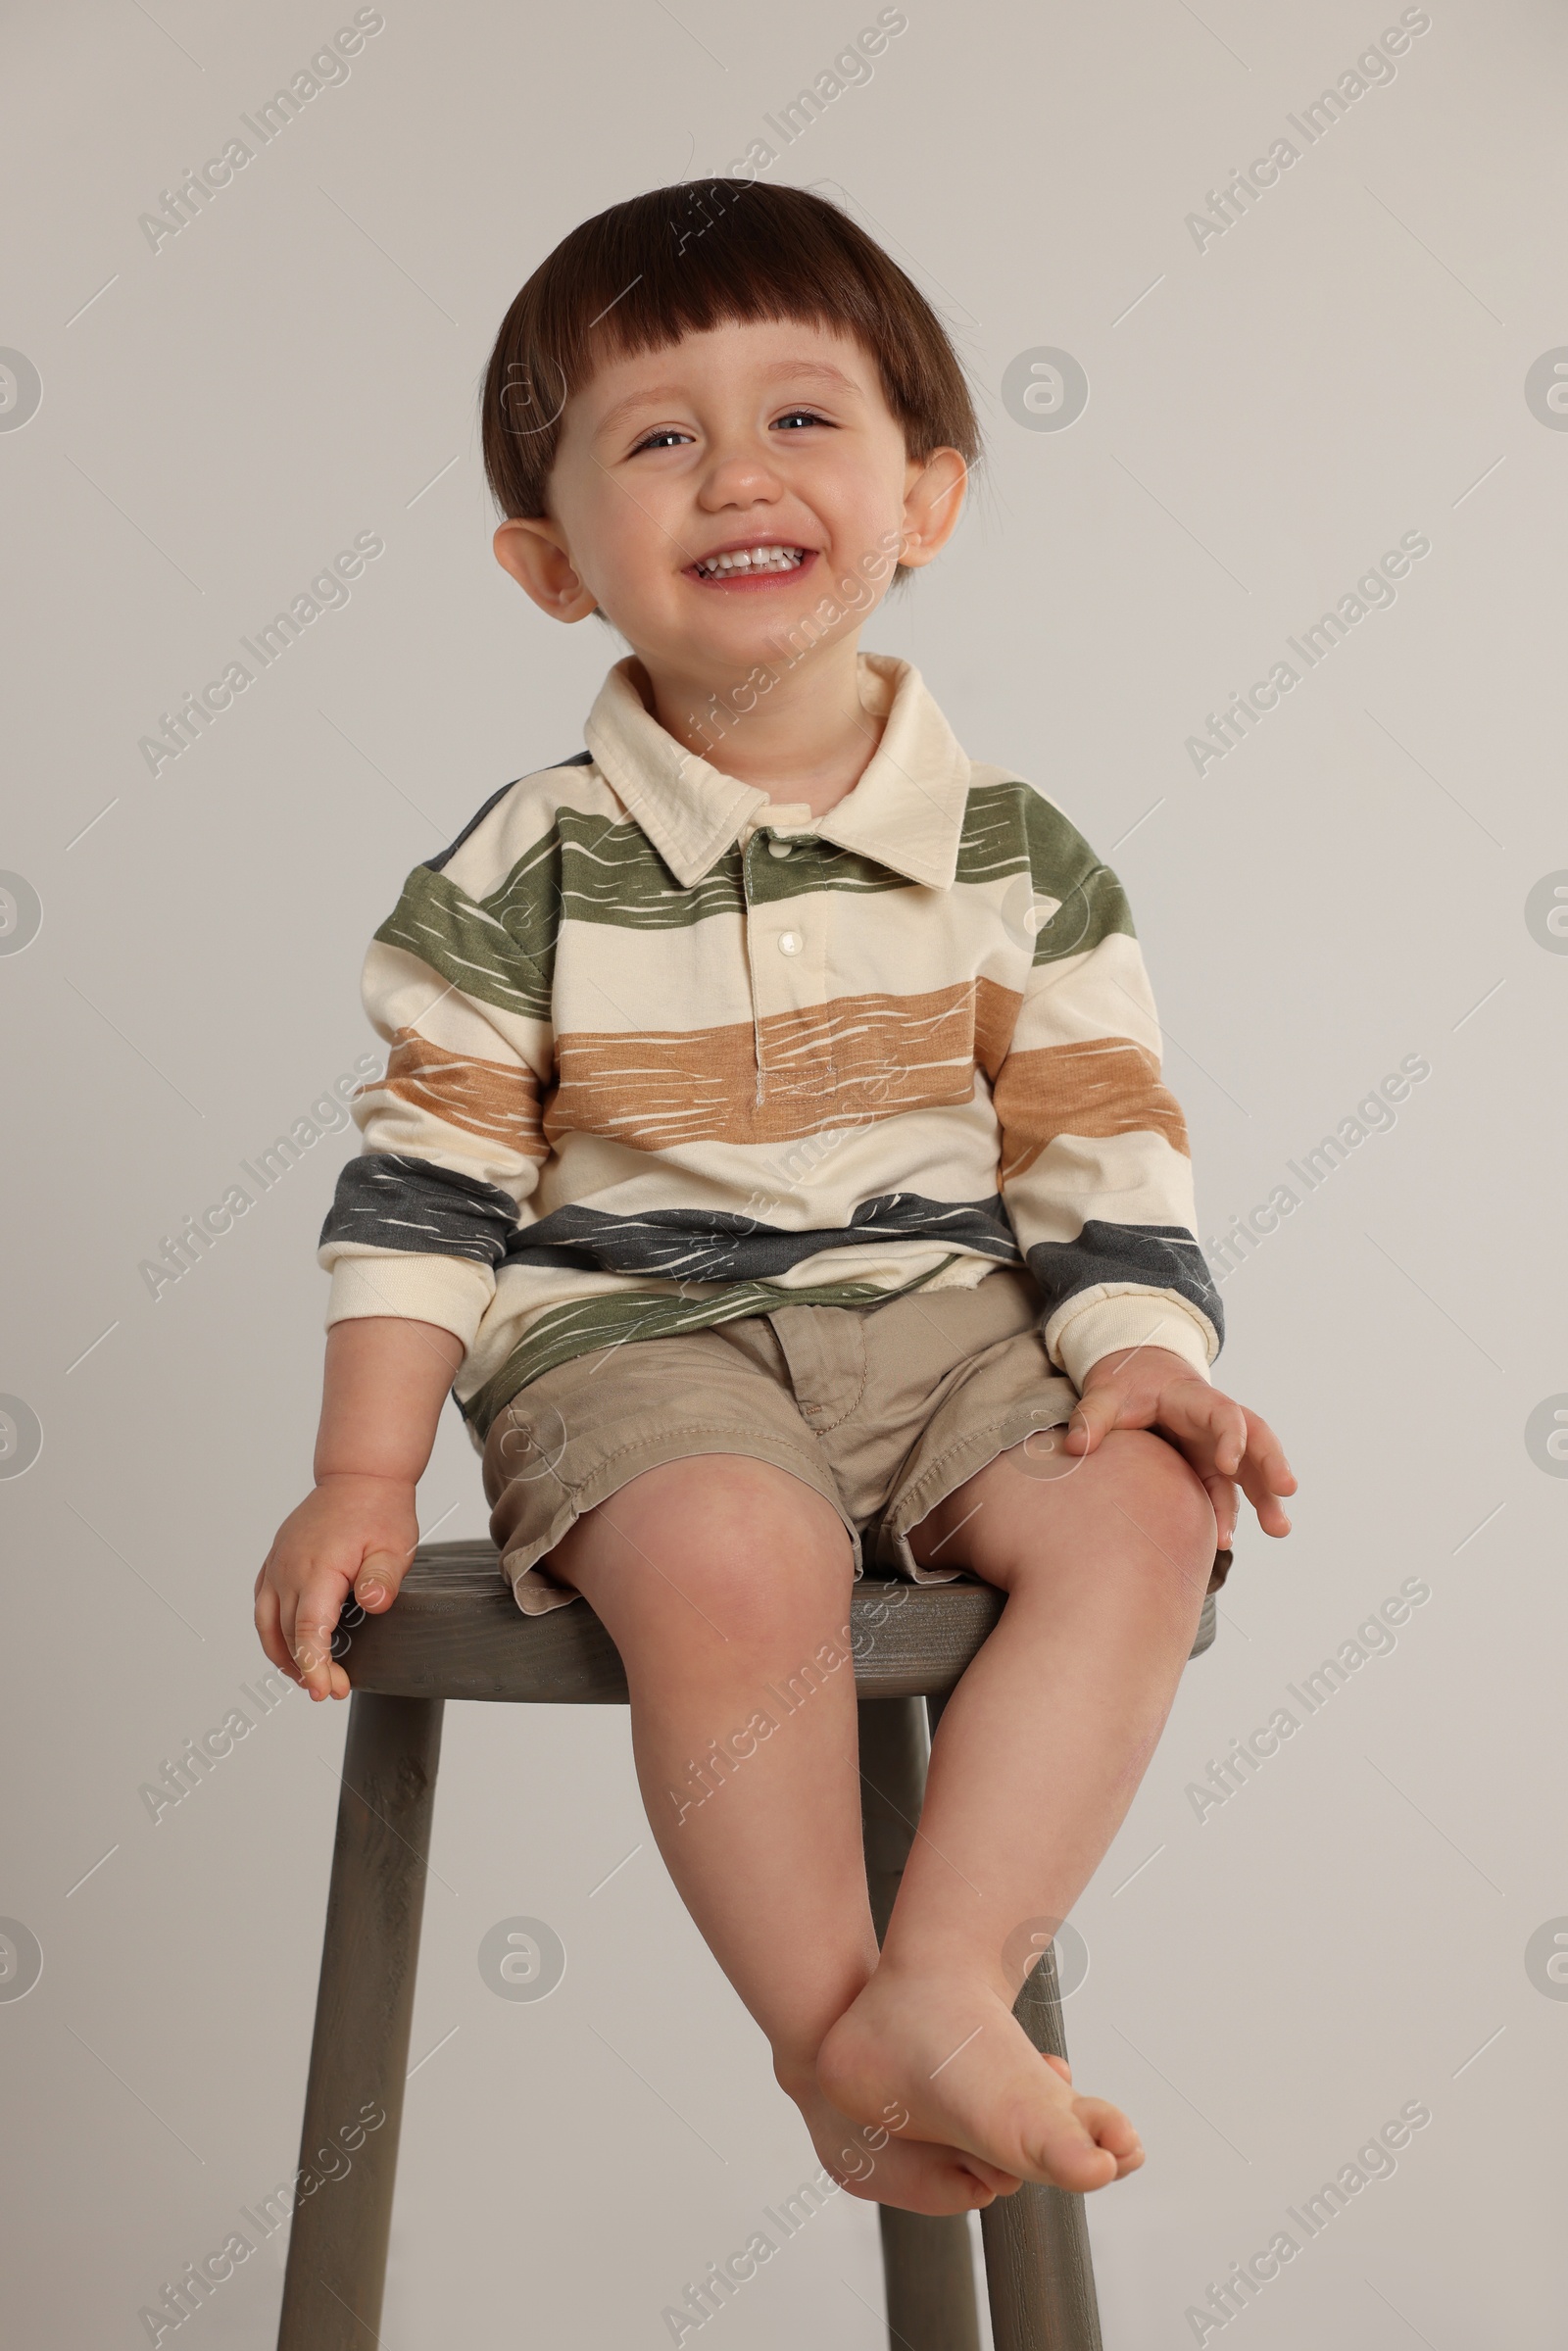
784,952
759,934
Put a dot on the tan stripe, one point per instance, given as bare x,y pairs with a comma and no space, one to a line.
995,1016
1101,1086
484,1097
855,1061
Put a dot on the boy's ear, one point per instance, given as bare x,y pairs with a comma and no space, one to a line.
933,500
535,554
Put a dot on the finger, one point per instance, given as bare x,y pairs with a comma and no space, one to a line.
270,1632
1265,1475
1094,1416
1263,1499
1222,1493
315,1624
1267,1450
1260,1494
1211,1428
380,1578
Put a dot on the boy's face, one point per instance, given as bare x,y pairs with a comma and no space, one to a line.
770,435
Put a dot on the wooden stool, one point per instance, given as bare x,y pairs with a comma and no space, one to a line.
455,1632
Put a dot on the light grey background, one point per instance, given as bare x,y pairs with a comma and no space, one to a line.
1266,416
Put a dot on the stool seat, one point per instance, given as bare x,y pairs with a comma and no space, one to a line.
455,1632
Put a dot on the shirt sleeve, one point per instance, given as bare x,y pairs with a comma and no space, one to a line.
451,1138
1096,1166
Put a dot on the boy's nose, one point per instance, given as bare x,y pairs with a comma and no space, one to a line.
737,467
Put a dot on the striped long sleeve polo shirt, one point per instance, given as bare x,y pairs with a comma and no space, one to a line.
663,1052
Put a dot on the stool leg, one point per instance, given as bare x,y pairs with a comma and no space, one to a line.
926,2264
1039,2274
337,2244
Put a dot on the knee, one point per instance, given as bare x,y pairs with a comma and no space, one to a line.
1135,1507
744,1544
1166,1500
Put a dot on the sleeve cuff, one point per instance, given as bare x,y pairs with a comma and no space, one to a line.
1079,1334
450,1291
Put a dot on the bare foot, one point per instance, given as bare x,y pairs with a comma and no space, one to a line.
956,2059
879,2160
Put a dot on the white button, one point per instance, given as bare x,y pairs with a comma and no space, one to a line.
778,849
790,943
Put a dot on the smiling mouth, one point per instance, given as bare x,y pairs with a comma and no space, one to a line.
751,565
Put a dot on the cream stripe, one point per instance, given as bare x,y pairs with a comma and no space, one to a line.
1122,1179
401,991
389,1123
816,1180
453,1292
1102,994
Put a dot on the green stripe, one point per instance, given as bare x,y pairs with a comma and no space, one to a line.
501,948
814,864
1093,909
995,835
577,1329
1010,829
611,872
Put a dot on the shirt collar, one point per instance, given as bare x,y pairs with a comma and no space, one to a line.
906,812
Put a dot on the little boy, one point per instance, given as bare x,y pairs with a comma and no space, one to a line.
773,1160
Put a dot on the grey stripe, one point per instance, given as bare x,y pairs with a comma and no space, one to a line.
1157,1256
385,1200
696,1245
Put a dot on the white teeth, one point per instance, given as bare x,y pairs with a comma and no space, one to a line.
753,558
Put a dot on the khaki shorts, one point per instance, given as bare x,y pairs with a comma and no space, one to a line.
883,1410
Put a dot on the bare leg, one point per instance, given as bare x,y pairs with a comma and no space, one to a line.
726,1584
1033,1767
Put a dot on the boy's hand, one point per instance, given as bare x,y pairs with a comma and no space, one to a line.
1149,1387
353,1534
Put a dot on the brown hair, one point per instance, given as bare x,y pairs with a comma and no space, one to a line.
682,260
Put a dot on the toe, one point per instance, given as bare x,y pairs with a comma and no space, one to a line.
1111,2135
955,2189
1000,2183
1107,2126
1071,2152
1084,2168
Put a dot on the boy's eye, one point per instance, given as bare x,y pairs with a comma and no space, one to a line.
668,436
